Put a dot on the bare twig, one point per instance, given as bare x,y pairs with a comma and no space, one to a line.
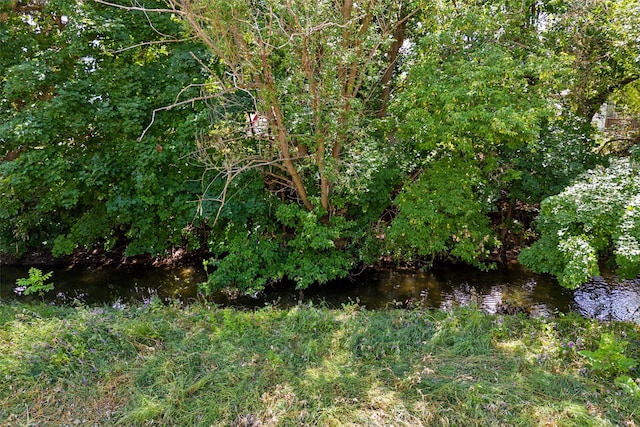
170,107
231,171
146,15
192,100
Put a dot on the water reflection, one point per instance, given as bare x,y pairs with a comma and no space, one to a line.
447,287
110,285
506,290
601,300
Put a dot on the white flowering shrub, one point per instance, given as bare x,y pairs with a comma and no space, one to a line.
598,216
627,246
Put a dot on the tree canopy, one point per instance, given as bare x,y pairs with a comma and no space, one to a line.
80,82
302,140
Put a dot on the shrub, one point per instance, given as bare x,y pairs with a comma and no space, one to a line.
595,217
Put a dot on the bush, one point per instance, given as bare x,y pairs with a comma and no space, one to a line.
595,217
440,215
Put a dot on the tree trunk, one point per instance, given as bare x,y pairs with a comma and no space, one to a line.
283,144
276,117
589,107
399,35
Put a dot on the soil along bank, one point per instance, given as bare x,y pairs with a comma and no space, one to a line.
310,366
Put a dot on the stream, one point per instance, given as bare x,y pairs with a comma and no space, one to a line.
509,289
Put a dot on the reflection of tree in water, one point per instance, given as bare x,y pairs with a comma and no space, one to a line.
466,295
613,300
604,298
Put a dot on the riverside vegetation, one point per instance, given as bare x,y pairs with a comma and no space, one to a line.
198,365
304,141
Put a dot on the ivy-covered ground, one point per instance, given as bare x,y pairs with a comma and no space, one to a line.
200,365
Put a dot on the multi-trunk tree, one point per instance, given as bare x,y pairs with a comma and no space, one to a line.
296,90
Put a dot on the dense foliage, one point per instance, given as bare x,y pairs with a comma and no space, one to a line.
482,107
595,217
297,140
297,92
73,104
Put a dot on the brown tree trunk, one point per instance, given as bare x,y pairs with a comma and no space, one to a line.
276,117
399,35
283,144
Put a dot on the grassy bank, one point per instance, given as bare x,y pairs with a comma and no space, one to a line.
191,366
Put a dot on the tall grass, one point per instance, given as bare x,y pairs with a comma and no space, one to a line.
202,366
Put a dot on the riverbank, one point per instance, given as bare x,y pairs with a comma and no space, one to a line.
103,258
96,257
198,365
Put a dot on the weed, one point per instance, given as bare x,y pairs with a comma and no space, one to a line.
609,359
35,283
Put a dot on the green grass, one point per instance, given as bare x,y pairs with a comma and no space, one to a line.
202,366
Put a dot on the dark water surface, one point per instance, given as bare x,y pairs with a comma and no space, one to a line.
605,298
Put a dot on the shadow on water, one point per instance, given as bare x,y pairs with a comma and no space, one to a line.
507,290
110,285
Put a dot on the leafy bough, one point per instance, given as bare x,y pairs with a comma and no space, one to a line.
596,217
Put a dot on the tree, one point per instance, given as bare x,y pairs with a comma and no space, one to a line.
593,218
501,95
599,40
295,92
473,102
313,72
80,83
324,131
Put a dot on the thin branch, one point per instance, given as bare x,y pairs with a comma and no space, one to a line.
146,15
154,42
140,9
602,148
192,100
203,65
231,172
192,18
283,181
170,107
